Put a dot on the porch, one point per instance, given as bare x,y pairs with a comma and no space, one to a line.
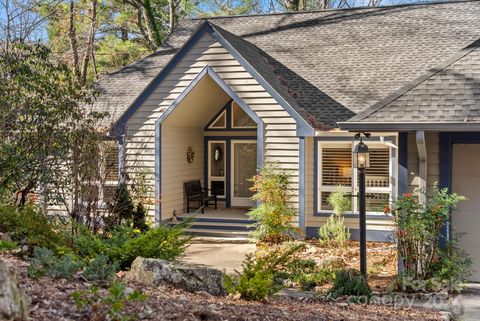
208,135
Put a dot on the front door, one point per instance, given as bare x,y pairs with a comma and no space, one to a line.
243,168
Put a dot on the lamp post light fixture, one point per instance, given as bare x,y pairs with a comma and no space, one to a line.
361,161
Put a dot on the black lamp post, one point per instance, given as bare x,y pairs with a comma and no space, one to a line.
361,161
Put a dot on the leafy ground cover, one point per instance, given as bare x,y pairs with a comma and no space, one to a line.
52,300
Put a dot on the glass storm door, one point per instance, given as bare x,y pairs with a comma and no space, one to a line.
243,168
217,167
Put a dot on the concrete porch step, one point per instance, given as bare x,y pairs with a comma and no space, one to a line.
218,233
219,227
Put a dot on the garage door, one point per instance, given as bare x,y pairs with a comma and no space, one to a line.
466,219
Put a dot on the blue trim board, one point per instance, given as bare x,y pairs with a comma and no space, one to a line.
372,235
402,163
402,173
301,185
158,173
228,186
446,141
227,140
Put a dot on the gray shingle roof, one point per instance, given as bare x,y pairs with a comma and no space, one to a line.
347,60
118,90
447,93
319,109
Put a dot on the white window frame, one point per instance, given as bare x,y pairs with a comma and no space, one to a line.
390,190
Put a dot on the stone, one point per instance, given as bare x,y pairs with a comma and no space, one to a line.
190,277
5,237
13,301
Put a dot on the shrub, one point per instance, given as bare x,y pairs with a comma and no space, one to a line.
418,229
99,306
139,216
334,232
257,279
29,225
123,244
87,245
349,282
453,266
45,263
163,242
121,209
307,274
273,214
100,269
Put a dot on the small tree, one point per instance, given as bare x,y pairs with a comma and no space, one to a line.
334,232
418,228
42,112
121,209
274,216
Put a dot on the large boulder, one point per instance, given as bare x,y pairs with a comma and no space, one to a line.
13,301
189,277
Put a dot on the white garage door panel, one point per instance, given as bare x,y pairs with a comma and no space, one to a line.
466,219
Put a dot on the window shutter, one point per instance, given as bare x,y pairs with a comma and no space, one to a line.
336,166
378,174
111,161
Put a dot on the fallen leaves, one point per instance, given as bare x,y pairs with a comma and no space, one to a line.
51,301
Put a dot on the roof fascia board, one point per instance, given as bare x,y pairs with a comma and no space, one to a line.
303,127
120,125
414,83
406,126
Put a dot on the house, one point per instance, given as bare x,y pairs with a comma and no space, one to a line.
224,95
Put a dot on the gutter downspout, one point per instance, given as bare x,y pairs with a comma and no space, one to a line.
422,165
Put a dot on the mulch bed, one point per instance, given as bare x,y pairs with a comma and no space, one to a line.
51,301
382,260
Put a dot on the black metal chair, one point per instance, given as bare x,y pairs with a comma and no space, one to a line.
196,193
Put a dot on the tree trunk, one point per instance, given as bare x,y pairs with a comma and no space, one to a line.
73,40
144,32
171,14
91,39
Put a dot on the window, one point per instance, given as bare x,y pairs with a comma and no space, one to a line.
220,121
335,172
111,170
240,119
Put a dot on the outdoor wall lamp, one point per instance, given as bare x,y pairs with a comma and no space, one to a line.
361,161
361,156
